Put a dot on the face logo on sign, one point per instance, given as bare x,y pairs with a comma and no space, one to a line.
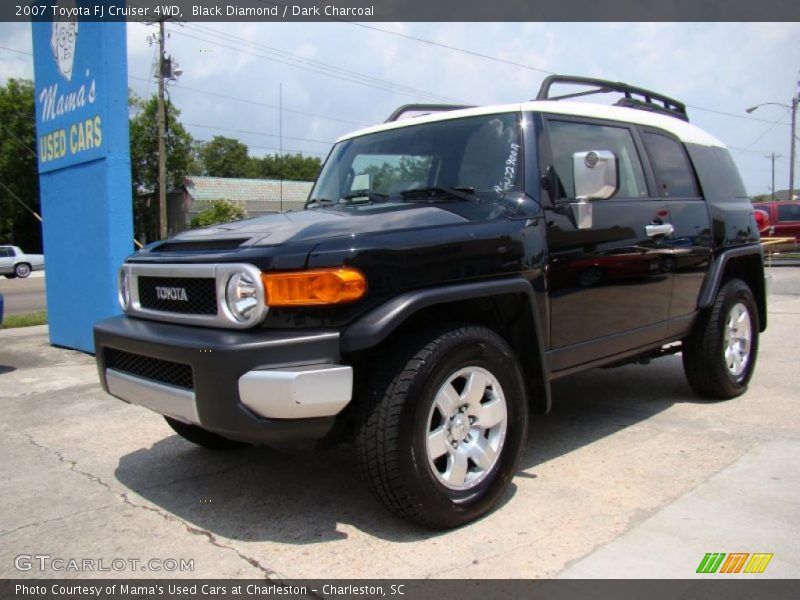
63,38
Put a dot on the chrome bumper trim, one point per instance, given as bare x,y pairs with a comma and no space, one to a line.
297,392
163,399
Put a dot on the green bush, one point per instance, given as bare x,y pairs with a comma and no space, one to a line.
220,211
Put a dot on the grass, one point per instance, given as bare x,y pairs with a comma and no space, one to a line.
27,320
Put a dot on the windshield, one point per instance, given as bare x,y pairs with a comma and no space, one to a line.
455,160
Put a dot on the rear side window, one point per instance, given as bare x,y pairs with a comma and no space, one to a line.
4,252
566,138
673,171
789,212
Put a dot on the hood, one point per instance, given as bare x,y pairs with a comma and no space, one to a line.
321,224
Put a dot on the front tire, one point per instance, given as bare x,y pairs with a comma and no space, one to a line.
202,437
444,427
22,270
719,356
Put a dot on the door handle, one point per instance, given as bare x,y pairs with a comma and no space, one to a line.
654,230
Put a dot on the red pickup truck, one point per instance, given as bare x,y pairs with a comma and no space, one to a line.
784,218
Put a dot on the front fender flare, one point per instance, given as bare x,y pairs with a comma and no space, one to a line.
377,325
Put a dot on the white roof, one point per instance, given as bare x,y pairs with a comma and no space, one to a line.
686,132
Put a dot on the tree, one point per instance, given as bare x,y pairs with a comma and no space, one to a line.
19,175
407,170
224,157
220,211
761,198
144,161
295,167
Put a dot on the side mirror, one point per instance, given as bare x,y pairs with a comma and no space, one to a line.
596,178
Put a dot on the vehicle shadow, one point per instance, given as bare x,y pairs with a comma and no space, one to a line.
592,405
259,494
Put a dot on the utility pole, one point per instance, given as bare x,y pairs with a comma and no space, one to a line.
162,146
793,133
280,136
792,154
773,156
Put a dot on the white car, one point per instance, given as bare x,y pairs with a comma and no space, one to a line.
15,263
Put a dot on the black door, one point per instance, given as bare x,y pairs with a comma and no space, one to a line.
691,239
610,285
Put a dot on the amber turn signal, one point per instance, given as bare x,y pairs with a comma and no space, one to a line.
314,287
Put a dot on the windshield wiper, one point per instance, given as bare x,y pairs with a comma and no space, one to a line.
440,194
319,202
367,196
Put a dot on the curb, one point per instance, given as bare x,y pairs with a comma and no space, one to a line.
24,331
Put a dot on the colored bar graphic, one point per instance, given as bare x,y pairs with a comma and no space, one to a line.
710,562
734,562
758,563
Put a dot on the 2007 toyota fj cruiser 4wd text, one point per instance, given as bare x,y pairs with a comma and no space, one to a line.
446,269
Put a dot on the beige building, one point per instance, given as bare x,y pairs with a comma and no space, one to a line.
257,197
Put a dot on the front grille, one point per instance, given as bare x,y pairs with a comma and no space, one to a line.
191,295
155,369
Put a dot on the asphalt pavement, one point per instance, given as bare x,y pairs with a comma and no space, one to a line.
630,475
24,295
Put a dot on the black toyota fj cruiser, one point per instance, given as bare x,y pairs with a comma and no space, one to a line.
446,269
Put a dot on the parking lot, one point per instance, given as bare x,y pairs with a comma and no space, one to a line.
631,475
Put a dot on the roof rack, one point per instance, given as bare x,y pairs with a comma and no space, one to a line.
648,100
429,108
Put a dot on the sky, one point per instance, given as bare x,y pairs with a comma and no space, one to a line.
334,77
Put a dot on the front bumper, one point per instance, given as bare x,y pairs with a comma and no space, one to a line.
258,386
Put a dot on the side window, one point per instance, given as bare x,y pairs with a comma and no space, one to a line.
566,138
789,212
673,171
3,253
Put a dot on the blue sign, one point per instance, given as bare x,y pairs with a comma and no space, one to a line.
81,86
69,94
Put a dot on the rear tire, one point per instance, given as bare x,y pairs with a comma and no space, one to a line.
22,270
719,356
203,437
443,427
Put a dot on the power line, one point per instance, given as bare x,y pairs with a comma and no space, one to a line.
272,149
15,50
410,37
20,140
17,198
759,152
328,68
477,54
765,132
453,48
255,102
377,84
521,65
260,133
729,114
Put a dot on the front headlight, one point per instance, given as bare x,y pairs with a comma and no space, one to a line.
123,289
241,295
